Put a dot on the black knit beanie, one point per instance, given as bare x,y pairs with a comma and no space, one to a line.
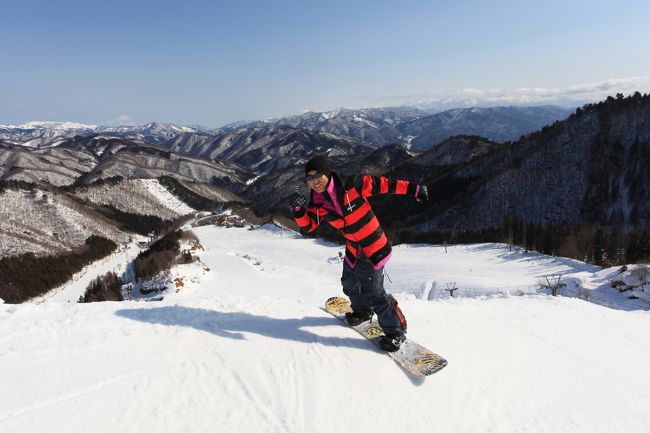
319,163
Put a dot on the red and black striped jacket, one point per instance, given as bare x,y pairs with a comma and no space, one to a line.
358,223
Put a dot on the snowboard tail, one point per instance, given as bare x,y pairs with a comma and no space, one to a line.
414,358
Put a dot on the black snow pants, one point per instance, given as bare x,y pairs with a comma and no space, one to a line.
365,288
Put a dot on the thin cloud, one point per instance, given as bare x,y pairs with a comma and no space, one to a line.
572,95
123,120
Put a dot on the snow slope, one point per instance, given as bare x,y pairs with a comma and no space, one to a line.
245,347
139,196
47,222
76,287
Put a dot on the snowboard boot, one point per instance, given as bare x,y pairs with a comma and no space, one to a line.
393,343
356,318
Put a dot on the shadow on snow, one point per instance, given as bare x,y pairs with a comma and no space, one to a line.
235,324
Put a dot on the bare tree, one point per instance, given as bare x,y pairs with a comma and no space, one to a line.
451,288
551,282
642,272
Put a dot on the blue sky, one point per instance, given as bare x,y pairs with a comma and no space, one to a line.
210,63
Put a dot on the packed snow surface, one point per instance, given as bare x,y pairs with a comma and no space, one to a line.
245,347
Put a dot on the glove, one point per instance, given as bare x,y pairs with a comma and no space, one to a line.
423,194
296,201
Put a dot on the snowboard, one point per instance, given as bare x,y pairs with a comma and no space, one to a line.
412,357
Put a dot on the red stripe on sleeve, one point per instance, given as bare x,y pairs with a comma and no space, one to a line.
401,186
384,185
337,223
304,220
366,191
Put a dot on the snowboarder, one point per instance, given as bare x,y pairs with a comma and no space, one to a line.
342,202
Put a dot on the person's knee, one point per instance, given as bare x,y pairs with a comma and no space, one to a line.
374,285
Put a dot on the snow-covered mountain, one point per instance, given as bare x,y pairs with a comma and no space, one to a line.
53,198
418,128
374,127
44,222
557,175
494,123
377,161
48,134
370,126
48,221
243,345
97,157
274,148
37,134
587,169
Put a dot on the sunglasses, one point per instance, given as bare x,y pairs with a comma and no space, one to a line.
314,176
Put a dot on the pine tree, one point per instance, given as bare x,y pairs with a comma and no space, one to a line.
599,247
530,237
549,241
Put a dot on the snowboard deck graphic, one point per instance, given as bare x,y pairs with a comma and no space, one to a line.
412,357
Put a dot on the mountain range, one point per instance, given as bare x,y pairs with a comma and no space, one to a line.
496,123
585,169
372,126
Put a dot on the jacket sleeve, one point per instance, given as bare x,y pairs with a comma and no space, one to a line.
307,219
373,185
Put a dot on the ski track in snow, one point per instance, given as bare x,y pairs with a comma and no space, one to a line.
248,348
